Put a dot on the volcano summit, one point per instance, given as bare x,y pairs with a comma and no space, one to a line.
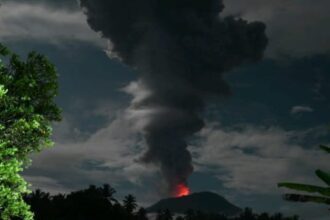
204,201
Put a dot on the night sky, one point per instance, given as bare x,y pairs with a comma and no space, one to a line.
267,131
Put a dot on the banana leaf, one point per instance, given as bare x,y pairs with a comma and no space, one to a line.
325,148
323,176
307,188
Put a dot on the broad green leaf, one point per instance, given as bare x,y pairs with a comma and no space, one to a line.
323,176
307,188
325,148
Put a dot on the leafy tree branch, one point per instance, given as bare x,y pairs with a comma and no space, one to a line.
27,108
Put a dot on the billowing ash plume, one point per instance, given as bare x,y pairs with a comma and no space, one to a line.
181,49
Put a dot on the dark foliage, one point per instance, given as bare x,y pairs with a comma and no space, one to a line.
98,203
247,214
95,203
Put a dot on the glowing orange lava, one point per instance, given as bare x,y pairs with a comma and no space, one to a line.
182,190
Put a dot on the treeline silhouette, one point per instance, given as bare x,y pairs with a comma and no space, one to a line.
247,214
98,203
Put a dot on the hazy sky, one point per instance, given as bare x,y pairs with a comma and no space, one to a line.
267,131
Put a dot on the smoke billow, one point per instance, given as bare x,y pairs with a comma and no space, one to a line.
181,49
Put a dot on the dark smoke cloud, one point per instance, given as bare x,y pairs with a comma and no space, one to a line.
181,49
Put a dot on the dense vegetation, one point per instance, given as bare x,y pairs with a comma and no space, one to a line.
99,203
27,108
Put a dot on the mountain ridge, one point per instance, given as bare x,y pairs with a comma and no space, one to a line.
202,201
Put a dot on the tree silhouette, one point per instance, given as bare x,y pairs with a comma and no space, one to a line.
27,108
141,214
324,192
263,216
164,215
189,215
108,193
130,203
247,214
278,216
93,203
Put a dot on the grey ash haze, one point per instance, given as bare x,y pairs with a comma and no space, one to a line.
181,49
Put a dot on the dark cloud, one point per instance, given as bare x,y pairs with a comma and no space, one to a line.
295,27
181,50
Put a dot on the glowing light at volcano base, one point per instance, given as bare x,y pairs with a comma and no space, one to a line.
182,190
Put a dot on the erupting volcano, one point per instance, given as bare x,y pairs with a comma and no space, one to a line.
182,190
180,50
207,202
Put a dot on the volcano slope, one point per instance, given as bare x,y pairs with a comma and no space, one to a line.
204,201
